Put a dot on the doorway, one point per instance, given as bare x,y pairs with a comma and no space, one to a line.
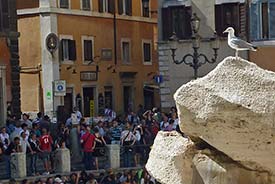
128,98
89,101
148,94
68,101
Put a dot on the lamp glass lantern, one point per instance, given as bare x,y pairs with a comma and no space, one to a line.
195,23
215,42
173,41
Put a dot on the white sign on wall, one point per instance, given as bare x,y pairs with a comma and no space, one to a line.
60,88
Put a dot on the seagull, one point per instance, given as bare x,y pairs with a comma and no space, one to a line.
237,43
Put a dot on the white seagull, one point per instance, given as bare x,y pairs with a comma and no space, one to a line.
237,43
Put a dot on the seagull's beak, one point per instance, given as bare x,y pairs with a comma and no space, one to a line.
225,31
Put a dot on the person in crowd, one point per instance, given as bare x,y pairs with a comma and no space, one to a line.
109,178
34,144
169,128
127,140
38,118
50,180
45,146
165,123
14,147
78,114
17,130
24,143
115,132
100,126
123,177
45,123
174,117
99,146
26,120
36,130
130,179
83,177
4,138
88,144
140,111
74,179
25,129
138,132
91,179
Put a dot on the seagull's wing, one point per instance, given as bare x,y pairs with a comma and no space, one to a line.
238,43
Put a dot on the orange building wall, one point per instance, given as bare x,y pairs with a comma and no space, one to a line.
30,56
91,26
5,60
264,57
22,4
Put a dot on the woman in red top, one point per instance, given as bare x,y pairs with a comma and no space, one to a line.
46,148
88,145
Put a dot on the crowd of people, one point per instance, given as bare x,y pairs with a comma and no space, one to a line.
38,138
140,176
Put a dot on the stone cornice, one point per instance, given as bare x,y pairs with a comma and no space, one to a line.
46,10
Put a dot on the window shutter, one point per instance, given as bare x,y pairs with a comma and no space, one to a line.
111,6
61,55
88,50
100,6
167,28
120,7
243,21
147,52
128,7
271,6
72,50
5,14
86,4
218,20
254,21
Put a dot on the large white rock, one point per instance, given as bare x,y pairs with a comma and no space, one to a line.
233,109
170,160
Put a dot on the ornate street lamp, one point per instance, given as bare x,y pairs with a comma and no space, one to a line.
196,59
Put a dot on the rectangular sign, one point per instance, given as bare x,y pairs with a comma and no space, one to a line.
92,108
60,88
88,76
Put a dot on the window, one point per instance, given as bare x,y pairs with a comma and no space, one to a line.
87,49
4,15
230,15
262,20
145,8
147,52
86,4
176,19
125,7
64,4
67,50
125,51
106,6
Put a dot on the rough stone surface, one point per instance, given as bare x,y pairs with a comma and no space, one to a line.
170,159
63,160
114,155
18,165
233,110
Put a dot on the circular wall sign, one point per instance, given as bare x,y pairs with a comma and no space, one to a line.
52,42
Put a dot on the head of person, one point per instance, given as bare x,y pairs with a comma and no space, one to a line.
24,126
3,130
44,131
128,125
33,136
165,118
174,115
39,114
114,123
49,180
83,175
35,126
16,140
100,124
23,135
96,131
58,180
73,177
25,116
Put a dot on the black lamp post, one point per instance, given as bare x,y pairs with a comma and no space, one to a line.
197,59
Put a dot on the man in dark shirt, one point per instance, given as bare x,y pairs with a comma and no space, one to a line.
14,147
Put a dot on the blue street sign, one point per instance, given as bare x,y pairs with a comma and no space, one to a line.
158,79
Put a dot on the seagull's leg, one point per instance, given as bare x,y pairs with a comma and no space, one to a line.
236,54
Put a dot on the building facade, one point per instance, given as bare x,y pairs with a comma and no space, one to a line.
107,55
262,32
175,16
9,61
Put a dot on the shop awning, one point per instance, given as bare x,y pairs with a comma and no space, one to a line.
168,3
229,1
